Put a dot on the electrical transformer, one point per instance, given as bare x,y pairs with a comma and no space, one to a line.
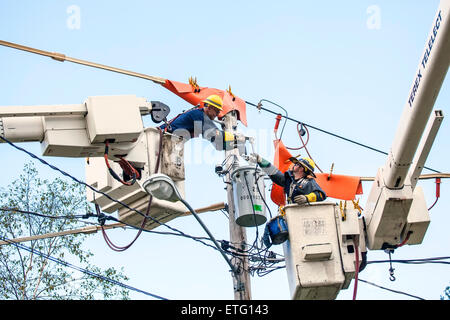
248,188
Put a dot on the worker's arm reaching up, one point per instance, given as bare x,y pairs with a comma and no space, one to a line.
299,184
274,174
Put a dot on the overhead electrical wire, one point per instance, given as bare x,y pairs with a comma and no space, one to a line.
61,57
68,217
285,111
108,241
304,144
266,265
238,252
256,269
261,265
259,107
85,271
391,290
102,218
437,260
97,191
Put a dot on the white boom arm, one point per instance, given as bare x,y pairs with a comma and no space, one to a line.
427,82
390,199
81,130
78,130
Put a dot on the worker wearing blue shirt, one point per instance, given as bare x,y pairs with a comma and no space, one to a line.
198,121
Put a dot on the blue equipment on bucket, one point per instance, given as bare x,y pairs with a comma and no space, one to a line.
275,232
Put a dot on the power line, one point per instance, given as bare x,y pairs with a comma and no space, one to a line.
437,260
107,217
259,107
433,260
62,57
264,264
267,262
285,111
178,232
262,269
85,271
391,290
97,191
68,217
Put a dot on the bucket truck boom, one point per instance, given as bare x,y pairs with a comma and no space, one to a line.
392,194
82,131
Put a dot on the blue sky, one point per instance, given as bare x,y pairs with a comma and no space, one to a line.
332,65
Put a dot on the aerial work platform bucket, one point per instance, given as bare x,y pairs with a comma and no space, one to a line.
134,196
320,253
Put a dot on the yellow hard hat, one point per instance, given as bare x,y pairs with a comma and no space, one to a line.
215,101
306,163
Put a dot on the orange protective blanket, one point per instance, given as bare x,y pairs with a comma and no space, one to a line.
195,96
281,162
338,186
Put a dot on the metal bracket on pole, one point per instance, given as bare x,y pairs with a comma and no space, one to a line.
240,286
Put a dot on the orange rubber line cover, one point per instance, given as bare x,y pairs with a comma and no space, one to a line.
280,161
338,186
195,97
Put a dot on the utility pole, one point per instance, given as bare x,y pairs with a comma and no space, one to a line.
238,236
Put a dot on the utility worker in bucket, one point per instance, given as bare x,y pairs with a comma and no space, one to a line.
299,184
199,120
